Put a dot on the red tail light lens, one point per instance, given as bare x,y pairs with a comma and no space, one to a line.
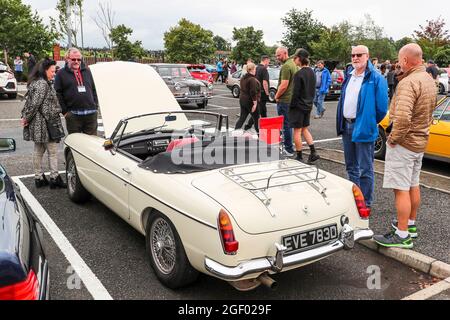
25,290
363,211
229,243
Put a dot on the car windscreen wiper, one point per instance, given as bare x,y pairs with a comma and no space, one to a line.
151,130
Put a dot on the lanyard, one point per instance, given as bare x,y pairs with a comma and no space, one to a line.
78,77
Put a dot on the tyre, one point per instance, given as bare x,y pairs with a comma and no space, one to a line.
77,193
203,104
236,91
12,96
441,88
166,252
380,144
272,93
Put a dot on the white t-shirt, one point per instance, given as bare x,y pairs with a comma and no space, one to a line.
352,94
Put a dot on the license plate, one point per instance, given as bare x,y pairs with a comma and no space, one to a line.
309,239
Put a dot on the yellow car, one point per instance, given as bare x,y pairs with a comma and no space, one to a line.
439,144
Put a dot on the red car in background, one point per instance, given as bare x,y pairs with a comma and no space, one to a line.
199,72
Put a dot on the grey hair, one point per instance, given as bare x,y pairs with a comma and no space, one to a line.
73,49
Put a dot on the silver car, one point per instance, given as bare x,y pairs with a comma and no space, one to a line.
184,87
234,83
8,83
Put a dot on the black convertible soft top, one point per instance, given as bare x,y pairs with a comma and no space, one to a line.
215,153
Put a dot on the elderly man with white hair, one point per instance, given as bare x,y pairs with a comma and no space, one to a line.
77,95
363,104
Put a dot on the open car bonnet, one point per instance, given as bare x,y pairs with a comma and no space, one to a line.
127,89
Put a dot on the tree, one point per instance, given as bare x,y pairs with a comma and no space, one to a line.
21,30
124,49
432,36
334,43
249,44
105,22
442,56
403,42
221,44
188,42
302,29
76,13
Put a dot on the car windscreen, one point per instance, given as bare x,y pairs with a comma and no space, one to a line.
274,74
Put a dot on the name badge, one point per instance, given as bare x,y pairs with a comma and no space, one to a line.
81,89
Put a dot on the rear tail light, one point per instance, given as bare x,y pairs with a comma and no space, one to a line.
25,290
363,211
229,243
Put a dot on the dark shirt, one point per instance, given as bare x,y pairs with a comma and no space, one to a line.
262,75
304,89
250,89
66,87
433,71
31,63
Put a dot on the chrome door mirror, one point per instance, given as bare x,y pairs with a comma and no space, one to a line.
7,145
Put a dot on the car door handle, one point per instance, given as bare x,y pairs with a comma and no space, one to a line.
127,170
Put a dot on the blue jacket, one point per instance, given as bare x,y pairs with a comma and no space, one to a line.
372,106
326,81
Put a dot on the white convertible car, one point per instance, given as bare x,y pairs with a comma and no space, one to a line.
206,200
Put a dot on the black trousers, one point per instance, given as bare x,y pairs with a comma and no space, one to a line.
246,109
82,124
262,109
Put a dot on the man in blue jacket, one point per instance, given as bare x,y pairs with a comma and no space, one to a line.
323,81
363,104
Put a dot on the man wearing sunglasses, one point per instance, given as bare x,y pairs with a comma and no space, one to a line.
363,104
77,95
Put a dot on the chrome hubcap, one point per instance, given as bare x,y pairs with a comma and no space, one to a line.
162,244
71,177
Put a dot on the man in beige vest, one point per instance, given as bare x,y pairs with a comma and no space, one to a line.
410,112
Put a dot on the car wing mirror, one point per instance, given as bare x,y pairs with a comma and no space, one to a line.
7,145
108,145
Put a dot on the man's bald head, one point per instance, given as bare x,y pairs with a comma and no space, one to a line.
410,56
282,54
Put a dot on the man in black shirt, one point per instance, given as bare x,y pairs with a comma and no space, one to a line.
432,70
77,94
263,77
301,105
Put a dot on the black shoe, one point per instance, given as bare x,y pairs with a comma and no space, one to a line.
313,157
41,182
57,183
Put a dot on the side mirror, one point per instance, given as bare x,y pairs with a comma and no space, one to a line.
108,145
7,145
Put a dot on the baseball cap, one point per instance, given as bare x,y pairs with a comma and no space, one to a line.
301,53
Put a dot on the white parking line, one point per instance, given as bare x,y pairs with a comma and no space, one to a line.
90,280
10,119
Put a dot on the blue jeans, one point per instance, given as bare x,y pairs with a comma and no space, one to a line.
318,102
359,159
283,110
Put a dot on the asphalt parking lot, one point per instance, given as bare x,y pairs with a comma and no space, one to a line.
115,253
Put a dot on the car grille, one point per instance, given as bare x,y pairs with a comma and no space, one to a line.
194,90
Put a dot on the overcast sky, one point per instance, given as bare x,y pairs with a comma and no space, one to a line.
150,19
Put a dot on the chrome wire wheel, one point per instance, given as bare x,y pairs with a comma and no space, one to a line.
162,244
71,177
378,144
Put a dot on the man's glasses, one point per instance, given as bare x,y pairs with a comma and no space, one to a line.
359,55
75,60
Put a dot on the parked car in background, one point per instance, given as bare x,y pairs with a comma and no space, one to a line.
24,272
212,69
337,79
234,83
184,87
443,82
235,218
438,147
199,72
8,83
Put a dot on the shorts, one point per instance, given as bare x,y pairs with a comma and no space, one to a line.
299,118
402,168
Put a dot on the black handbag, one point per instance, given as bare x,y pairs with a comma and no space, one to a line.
55,129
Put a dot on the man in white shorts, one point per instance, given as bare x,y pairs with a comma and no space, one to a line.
410,112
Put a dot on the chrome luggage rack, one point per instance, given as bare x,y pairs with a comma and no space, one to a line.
279,174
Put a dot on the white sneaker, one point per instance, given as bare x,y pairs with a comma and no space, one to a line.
287,153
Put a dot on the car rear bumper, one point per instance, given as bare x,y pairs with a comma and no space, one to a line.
9,88
346,241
